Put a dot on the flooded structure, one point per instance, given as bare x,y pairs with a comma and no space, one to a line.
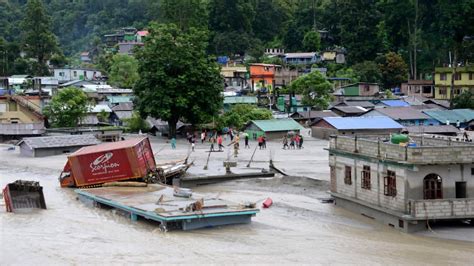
405,187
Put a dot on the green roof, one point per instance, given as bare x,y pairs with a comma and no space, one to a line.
277,125
463,115
458,69
120,99
240,99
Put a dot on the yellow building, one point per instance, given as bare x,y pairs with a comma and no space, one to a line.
16,109
20,116
463,81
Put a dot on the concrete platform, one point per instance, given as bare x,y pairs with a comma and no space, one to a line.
171,212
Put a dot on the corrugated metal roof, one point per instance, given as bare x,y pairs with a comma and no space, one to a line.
120,99
60,141
277,125
316,114
240,99
376,122
433,129
395,103
461,115
350,109
365,104
300,55
401,113
123,107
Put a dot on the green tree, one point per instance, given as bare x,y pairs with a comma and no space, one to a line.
368,71
136,123
177,79
123,71
394,70
464,100
312,41
185,13
38,40
103,116
67,107
315,89
241,114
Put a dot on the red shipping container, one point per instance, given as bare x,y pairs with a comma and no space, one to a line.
128,159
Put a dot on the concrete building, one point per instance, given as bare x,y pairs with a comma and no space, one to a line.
302,58
423,88
20,116
66,74
463,81
235,76
405,187
357,90
55,145
351,126
284,76
272,129
262,76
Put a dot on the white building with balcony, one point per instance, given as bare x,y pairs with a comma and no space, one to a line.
405,187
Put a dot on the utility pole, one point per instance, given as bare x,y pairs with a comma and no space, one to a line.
453,73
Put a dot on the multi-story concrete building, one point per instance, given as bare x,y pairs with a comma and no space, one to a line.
20,116
405,187
463,81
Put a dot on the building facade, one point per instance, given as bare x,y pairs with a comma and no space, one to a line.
262,76
423,88
405,187
67,74
463,81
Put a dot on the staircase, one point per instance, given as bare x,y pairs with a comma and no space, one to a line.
32,107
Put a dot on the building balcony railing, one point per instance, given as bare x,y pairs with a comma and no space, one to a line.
22,129
441,208
426,151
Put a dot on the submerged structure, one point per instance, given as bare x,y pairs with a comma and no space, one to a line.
169,206
403,186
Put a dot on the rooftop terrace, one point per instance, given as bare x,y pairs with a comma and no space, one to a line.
427,150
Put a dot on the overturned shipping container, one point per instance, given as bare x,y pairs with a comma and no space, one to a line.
108,162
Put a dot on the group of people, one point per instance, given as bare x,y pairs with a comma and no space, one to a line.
296,142
262,142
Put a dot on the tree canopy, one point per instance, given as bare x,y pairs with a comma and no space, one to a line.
422,32
241,114
38,40
67,107
177,78
315,89
123,71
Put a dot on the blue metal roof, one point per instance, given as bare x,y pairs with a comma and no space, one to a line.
395,103
375,122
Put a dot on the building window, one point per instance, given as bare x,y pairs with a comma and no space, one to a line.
366,177
347,175
442,90
471,76
472,171
442,76
74,73
390,184
457,76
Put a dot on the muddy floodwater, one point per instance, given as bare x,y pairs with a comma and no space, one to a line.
297,229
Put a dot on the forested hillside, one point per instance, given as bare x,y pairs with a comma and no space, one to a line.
422,31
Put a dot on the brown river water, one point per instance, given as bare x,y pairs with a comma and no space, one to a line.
297,229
